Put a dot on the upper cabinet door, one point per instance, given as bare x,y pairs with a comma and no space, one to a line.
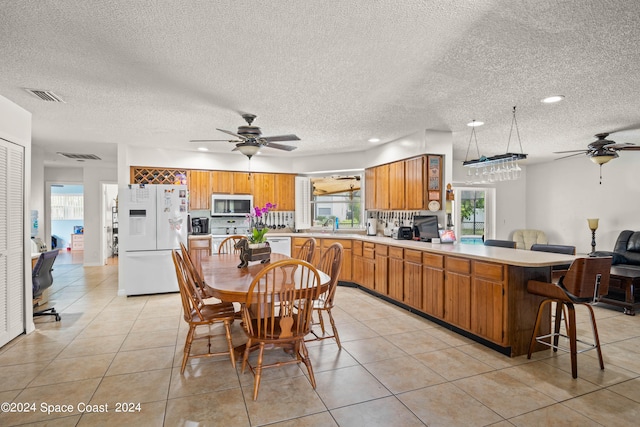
263,190
396,186
285,191
415,180
199,184
370,188
241,183
382,187
221,182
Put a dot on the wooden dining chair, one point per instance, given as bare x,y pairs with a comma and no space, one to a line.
585,281
195,272
278,315
330,263
228,245
198,313
307,250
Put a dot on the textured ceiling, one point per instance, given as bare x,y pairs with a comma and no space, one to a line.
336,73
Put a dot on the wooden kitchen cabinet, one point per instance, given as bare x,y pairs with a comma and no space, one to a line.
433,284
488,300
457,291
396,273
263,188
381,284
285,191
397,194
345,271
382,187
199,185
415,183
370,189
413,278
241,183
221,182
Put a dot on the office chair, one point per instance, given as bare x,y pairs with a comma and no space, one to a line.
42,279
500,243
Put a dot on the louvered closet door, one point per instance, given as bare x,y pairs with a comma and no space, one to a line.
11,241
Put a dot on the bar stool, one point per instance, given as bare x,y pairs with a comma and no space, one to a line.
585,281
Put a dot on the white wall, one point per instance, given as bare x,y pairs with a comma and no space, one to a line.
562,194
37,190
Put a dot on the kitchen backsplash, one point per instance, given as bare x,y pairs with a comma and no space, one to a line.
277,221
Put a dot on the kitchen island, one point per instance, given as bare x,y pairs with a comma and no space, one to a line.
478,291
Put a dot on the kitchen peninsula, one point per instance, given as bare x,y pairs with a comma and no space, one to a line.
476,290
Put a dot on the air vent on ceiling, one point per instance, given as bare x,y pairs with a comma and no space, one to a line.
45,95
76,156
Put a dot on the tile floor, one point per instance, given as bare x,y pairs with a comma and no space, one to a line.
395,369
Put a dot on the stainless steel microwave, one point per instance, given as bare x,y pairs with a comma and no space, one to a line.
231,204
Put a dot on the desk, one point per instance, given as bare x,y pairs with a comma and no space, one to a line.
623,280
229,283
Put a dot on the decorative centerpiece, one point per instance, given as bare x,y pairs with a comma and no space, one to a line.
256,247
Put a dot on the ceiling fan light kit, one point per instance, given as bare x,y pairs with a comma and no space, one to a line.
502,167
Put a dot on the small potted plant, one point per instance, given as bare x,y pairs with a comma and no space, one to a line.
257,234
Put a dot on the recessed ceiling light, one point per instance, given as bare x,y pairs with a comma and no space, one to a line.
203,149
475,123
552,99
374,140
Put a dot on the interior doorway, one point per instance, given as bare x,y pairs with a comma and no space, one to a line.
66,224
109,240
474,214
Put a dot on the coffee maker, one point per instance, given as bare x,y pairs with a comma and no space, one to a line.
200,225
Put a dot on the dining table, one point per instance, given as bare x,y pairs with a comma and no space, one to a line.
225,281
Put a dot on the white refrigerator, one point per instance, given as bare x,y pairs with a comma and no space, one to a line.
153,221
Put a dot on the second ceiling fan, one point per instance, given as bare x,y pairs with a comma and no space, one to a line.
249,139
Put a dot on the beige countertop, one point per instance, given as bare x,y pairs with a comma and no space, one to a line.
517,257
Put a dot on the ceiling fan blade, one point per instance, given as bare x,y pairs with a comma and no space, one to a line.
228,132
281,138
622,146
213,140
570,155
280,146
571,151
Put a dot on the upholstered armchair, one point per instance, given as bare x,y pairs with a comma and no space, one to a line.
525,238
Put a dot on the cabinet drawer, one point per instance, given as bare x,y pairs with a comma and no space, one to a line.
357,248
458,265
299,241
346,243
395,252
368,250
488,270
382,250
413,256
433,260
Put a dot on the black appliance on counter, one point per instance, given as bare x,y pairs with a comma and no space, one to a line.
200,225
402,233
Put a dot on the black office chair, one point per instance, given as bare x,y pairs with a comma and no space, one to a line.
557,271
500,243
41,279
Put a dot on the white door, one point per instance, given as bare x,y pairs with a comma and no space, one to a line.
12,298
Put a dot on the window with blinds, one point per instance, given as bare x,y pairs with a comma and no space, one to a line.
67,206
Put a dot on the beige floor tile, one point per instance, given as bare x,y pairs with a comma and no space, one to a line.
492,357
415,342
154,324
403,374
555,383
396,324
70,421
100,329
74,369
218,408
17,377
346,386
281,400
141,360
372,350
67,393
355,331
31,353
450,337
387,411
452,363
93,346
589,369
503,394
447,405
607,408
629,389
149,415
552,416
322,419
326,356
274,373
142,387
203,378
150,339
